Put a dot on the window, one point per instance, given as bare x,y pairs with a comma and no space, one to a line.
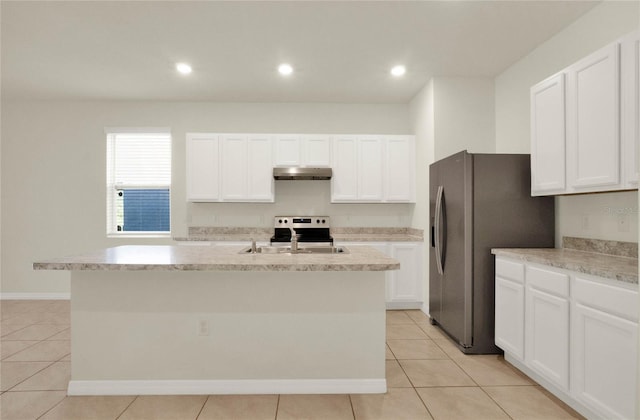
138,183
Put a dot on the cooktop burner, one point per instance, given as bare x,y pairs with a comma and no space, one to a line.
309,229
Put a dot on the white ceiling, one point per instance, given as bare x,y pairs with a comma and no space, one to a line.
342,50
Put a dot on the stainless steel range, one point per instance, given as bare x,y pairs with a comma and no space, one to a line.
307,231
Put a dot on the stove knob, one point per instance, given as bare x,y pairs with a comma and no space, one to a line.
286,221
318,221
323,220
280,221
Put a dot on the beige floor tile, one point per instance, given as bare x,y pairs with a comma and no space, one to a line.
405,331
12,373
398,317
62,335
416,349
492,370
527,402
28,405
156,407
66,358
310,407
56,318
42,352
460,403
89,408
432,331
423,373
35,332
59,306
396,378
388,354
417,315
8,329
7,348
449,348
27,318
240,407
396,404
53,378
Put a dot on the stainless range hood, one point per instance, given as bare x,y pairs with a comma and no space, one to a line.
295,173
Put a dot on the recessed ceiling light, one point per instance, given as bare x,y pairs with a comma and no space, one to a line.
285,69
398,71
183,68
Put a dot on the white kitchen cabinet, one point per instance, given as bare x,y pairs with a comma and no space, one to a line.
400,171
604,355
308,150
403,286
630,88
370,169
344,182
203,177
593,121
548,136
373,169
585,129
580,335
547,324
229,168
509,307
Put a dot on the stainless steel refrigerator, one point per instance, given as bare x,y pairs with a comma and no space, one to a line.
478,202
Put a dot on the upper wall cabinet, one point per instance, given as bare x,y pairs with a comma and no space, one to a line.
229,168
584,121
373,169
302,150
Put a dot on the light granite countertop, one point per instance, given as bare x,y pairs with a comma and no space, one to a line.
218,258
623,269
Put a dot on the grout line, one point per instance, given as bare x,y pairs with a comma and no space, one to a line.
52,407
202,408
277,407
31,376
127,407
353,411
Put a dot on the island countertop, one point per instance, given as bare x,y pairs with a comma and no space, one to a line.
217,258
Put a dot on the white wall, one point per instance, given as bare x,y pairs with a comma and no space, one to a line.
463,115
603,24
422,117
53,173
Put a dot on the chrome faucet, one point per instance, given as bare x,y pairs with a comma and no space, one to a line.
294,240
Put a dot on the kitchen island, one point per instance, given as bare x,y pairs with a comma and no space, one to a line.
212,320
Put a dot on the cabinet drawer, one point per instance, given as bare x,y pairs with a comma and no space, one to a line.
510,270
607,297
550,281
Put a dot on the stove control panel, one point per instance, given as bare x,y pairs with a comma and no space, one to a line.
301,221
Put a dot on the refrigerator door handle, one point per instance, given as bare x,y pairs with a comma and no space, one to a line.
438,243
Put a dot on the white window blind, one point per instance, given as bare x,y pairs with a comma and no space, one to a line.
138,183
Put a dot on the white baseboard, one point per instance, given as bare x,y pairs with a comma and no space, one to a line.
404,305
226,387
35,296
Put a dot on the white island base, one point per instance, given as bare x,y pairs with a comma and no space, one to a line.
227,332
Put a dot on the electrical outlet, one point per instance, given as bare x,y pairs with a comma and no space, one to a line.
623,222
203,327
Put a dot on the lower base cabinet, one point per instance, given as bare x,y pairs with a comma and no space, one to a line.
580,335
404,286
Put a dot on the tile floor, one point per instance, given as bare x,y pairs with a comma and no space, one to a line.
427,377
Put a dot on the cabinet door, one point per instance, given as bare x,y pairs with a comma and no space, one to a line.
370,169
287,150
400,169
548,136
509,317
630,88
202,167
593,121
316,151
547,336
234,167
405,284
344,182
260,169
603,362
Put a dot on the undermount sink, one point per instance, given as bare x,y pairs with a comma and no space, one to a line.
302,250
